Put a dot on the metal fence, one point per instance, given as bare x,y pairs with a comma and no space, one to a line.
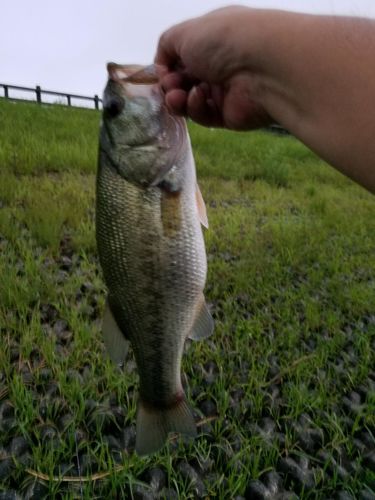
38,93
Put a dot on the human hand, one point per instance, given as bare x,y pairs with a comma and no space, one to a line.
237,67
208,74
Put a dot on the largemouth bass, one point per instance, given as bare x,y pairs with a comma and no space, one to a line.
149,212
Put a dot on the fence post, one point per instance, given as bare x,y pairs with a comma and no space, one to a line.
96,100
6,95
38,92
68,97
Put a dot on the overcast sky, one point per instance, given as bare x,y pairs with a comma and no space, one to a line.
64,45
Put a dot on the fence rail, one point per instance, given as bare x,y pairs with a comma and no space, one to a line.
38,91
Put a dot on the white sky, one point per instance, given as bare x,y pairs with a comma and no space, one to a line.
64,45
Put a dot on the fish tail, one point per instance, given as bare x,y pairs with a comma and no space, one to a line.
154,424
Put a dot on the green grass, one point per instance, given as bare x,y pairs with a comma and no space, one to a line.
47,138
291,281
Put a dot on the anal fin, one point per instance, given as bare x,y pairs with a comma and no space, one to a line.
116,344
203,324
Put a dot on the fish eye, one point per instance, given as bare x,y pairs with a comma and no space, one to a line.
113,106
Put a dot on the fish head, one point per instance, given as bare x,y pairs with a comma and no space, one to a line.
138,133
132,103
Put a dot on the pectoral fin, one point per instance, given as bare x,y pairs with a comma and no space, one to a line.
201,207
116,344
204,324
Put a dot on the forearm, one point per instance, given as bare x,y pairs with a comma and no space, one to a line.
315,75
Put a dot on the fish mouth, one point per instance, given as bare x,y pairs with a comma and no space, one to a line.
133,73
131,81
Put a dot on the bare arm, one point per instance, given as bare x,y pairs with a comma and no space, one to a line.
242,68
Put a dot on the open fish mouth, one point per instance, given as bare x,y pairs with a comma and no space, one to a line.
141,75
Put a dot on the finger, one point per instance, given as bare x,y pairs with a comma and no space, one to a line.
168,50
180,79
171,81
240,110
202,109
161,70
176,100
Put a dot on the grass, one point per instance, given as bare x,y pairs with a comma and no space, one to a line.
292,285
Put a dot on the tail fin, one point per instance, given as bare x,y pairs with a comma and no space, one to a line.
154,425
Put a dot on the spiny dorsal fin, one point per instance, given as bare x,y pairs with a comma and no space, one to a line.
201,207
203,324
116,343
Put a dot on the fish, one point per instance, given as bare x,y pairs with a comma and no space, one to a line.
149,217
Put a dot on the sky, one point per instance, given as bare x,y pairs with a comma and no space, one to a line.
65,45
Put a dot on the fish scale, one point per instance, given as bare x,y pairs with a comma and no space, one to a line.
152,254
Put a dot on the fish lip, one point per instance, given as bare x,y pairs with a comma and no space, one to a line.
134,74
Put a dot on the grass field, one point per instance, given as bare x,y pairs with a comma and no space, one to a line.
284,391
